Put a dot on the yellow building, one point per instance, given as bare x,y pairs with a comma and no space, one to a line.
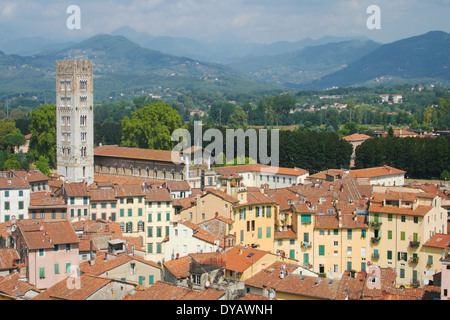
206,205
131,208
254,220
401,220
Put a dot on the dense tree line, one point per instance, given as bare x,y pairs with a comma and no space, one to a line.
419,157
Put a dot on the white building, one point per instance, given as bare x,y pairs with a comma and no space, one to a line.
14,197
186,237
382,176
257,175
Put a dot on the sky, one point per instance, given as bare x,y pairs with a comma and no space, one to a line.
262,21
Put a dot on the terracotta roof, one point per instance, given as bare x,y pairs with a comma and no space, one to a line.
45,199
11,181
31,175
120,180
177,185
14,286
179,268
112,262
252,297
45,235
314,287
357,137
239,258
158,194
201,233
103,194
76,189
221,194
185,203
230,170
129,190
254,198
439,240
88,285
420,211
8,257
135,153
167,291
323,174
285,234
375,172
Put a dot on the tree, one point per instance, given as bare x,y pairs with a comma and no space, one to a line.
238,119
43,165
14,140
43,133
7,127
151,127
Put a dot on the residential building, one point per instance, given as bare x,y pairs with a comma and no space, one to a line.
103,203
383,176
49,249
14,197
166,291
401,220
47,206
131,208
124,267
256,175
9,261
206,205
186,237
36,179
88,287
77,198
254,220
445,276
432,260
159,212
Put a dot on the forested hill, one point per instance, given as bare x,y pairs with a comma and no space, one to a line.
120,67
417,58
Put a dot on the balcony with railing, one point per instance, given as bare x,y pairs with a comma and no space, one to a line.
375,240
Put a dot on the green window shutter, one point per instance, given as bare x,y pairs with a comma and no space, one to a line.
168,216
292,254
349,234
402,235
150,232
158,248
269,211
349,265
130,212
321,250
140,212
68,267
363,266
389,255
42,273
336,232
268,232
141,279
305,259
56,268
363,233
259,233
306,218
150,248
151,279
390,234
416,237
149,217
122,212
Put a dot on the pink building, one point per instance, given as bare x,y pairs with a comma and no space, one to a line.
49,250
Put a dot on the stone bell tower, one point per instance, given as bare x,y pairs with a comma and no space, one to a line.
75,120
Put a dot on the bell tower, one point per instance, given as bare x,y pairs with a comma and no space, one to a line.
75,120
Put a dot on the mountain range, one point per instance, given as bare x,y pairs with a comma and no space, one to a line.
130,62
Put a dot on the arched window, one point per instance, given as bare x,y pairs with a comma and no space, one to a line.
140,226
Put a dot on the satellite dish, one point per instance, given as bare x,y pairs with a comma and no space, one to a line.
41,228
207,284
426,282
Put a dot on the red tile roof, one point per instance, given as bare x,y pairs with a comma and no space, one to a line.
439,240
45,235
166,291
136,153
14,286
230,170
8,258
357,137
375,172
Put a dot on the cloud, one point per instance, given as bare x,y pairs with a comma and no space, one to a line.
257,20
